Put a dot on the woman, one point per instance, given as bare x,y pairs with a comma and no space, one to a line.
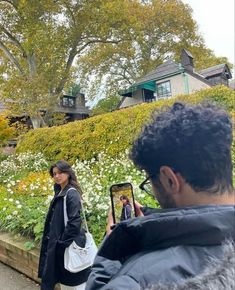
126,208
57,236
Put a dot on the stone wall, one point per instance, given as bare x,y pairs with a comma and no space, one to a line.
14,254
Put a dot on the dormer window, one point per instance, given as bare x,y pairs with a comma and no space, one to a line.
68,102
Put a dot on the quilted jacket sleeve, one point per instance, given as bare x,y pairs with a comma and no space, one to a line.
102,271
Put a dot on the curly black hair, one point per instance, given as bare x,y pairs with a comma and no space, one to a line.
194,140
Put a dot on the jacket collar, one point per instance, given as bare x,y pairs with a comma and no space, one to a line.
198,226
63,192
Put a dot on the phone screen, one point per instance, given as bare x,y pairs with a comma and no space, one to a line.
122,200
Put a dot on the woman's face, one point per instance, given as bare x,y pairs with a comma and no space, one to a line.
124,201
60,178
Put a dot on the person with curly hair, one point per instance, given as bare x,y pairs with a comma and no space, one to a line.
187,244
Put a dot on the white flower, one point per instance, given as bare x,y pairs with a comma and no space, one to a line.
15,212
19,206
50,197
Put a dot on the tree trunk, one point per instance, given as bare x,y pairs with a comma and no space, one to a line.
37,122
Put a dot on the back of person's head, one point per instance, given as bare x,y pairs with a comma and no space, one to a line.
194,140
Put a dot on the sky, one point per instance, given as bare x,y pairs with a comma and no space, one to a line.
215,19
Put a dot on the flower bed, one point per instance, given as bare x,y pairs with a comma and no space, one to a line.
26,190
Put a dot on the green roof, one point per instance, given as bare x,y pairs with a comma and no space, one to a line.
150,85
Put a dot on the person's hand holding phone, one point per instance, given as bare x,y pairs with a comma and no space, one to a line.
110,222
138,209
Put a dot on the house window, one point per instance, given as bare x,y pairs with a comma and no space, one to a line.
68,102
164,90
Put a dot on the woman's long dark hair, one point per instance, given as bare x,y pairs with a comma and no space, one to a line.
125,198
65,167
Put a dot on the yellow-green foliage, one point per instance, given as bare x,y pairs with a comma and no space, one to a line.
6,132
36,183
112,132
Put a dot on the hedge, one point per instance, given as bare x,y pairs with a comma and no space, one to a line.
112,132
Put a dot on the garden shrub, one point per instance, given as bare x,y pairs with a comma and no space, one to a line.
15,166
6,132
113,132
23,215
35,184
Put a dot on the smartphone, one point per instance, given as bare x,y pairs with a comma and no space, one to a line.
122,201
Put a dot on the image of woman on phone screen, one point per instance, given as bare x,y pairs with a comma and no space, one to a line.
126,208
57,236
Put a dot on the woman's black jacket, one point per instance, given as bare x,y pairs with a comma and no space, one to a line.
56,237
126,212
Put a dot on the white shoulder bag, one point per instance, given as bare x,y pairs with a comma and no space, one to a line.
76,258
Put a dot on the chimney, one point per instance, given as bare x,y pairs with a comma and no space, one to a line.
80,100
187,60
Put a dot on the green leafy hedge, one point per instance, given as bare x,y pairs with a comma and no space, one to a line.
112,132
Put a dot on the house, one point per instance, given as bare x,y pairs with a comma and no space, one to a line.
2,107
171,78
232,84
74,108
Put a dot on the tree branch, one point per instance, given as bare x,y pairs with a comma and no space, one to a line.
75,52
14,40
69,63
99,41
11,57
70,12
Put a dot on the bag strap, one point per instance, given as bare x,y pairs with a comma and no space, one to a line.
65,210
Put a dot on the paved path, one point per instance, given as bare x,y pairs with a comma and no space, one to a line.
13,280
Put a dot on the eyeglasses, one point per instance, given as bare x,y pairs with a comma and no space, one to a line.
147,186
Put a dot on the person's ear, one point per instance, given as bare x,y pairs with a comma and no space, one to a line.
169,180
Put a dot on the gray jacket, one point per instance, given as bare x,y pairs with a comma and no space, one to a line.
165,248
218,275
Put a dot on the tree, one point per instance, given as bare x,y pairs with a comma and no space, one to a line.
106,105
6,132
40,41
163,29
75,89
45,45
